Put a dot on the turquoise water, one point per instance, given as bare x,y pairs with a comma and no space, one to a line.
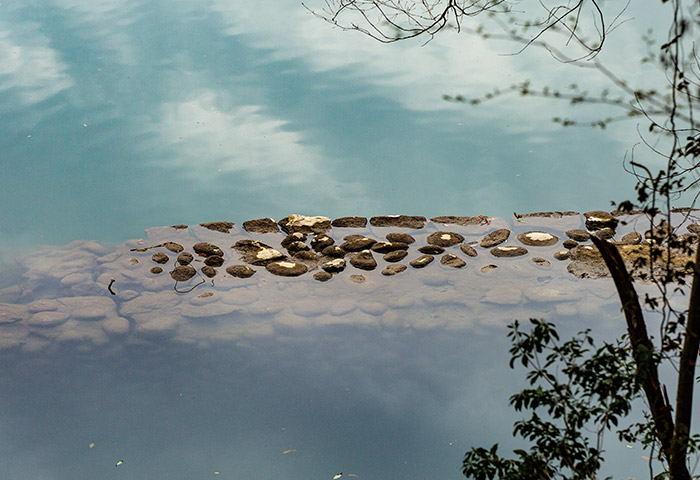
119,116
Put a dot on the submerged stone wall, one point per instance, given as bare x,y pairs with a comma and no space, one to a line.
219,281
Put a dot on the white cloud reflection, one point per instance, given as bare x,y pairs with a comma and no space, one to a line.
28,66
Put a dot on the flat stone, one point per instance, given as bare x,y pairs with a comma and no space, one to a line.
47,319
569,244
350,222
304,224
453,261
357,244
562,255
393,269
322,276
386,247
173,247
240,271
160,258
185,258
445,239
468,250
494,238
333,251
464,221
567,213
156,270
286,268
400,221
512,251
206,249
296,247
182,273
364,260
395,256
261,225
605,233
422,261
223,227
431,250
538,239
599,219
321,241
632,238
293,238
400,237
578,234
334,266
488,268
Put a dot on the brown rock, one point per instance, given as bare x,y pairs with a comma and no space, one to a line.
261,225
364,260
209,271
494,238
395,256
488,268
468,250
562,255
156,270
207,249
334,266
214,261
578,235
400,237
182,273
598,219
431,250
160,258
257,253
286,269
464,221
357,244
185,258
541,262
240,271
333,251
357,278
422,261
508,251
453,261
569,244
350,222
538,239
180,227
445,239
632,238
384,247
322,276
173,247
304,224
605,233
321,241
223,227
293,237
393,269
400,221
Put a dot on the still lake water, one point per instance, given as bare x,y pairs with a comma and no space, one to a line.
120,115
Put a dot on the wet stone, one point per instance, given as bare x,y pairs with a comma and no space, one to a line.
395,256
185,258
538,239
364,260
357,278
334,266
207,249
468,250
333,251
240,271
393,269
488,268
173,247
562,255
632,238
545,214
350,222
306,256
541,262
494,238
569,244
160,258
384,247
209,271
422,261
578,235
321,241
261,225
286,268
357,244
322,276
599,219
605,233
257,253
453,261
156,270
400,237
214,261
445,239
292,238
296,247
400,221
508,251
464,221
304,224
431,250
223,227
182,273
